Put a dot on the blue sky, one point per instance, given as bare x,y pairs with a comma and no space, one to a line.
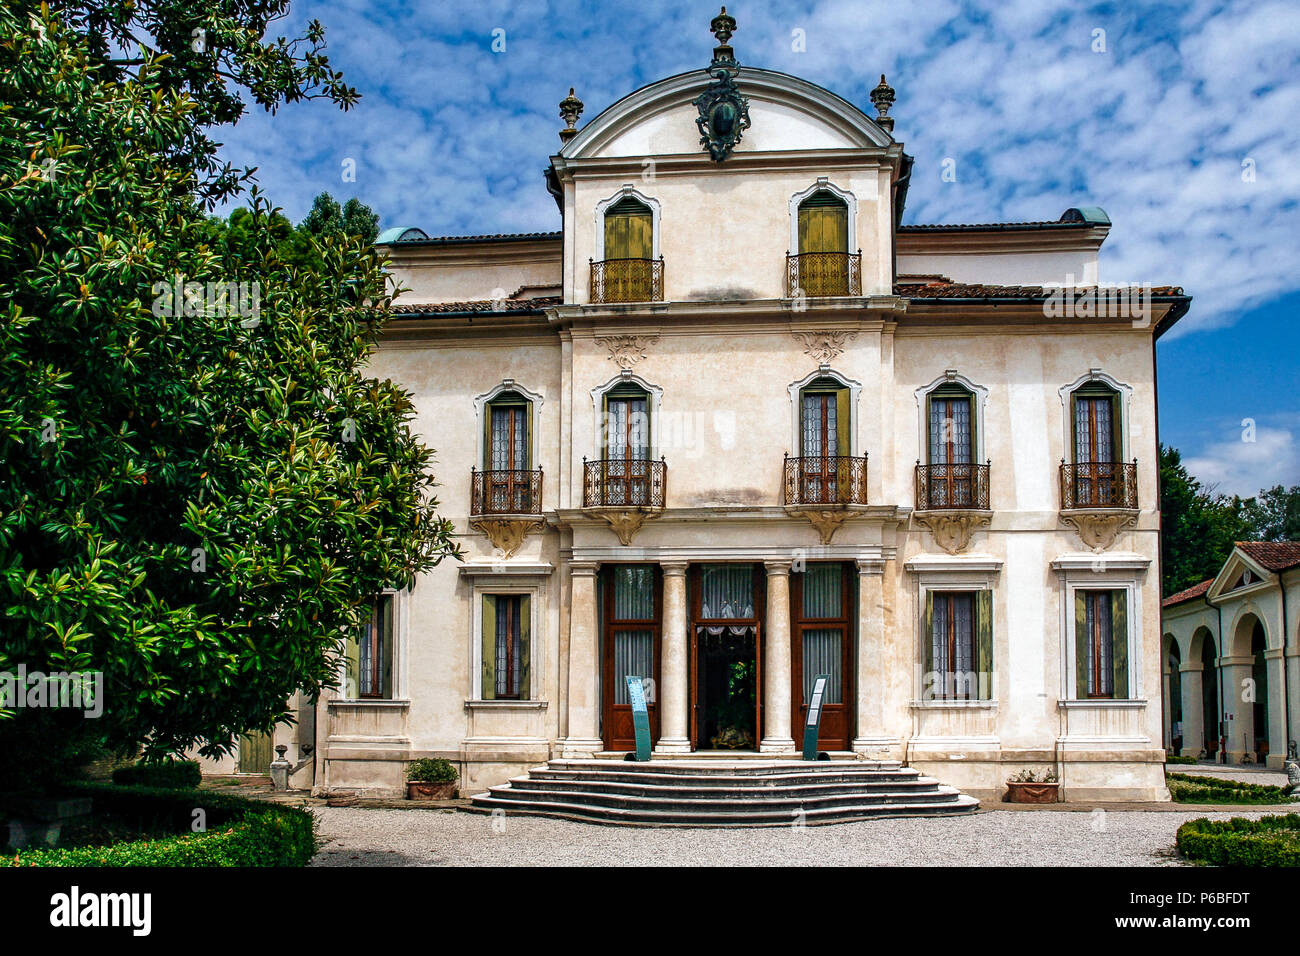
1184,128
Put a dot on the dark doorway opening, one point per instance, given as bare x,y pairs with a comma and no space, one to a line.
728,690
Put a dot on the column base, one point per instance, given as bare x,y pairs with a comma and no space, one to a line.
572,748
672,745
776,745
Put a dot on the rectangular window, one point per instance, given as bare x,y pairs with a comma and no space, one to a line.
959,645
506,650
1101,644
368,655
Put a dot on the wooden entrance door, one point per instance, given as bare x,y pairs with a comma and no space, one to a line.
821,609
633,613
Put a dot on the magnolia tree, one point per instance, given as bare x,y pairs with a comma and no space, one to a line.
200,487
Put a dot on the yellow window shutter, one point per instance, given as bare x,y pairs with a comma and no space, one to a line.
1119,641
1081,640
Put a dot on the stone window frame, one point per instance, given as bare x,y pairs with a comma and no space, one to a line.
1097,574
401,625
948,575
823,184
627,191
483,402
507,583
795,390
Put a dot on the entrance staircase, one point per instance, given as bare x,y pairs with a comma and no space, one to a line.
729,792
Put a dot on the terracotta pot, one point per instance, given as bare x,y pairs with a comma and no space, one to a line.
1021,792
421,790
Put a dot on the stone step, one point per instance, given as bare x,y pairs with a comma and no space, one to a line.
485,803
757,787
726,803
729,768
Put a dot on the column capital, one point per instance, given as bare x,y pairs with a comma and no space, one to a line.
778,567
584,568
673,568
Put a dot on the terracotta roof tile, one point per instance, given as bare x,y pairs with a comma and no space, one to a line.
1273,555
1195,591
476,305
488,237
961,290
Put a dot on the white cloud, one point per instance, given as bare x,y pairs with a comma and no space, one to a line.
1240,467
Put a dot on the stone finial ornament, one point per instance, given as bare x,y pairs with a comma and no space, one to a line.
724,112
723,26
570,110
882,98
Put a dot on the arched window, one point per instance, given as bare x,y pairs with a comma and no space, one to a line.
627,273
950,475
824,438
823,245
823,223
628,230
625,477
507,454
1099,473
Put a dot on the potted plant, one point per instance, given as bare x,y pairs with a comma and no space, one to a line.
1029,787
431,778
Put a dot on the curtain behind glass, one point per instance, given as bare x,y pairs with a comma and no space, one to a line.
727,591
822,655
633,657
823,592
634,598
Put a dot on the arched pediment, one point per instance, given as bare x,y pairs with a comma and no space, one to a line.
786,113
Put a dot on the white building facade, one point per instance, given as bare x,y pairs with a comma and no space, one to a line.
733,427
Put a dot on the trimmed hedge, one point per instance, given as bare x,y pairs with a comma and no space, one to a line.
1185,788
1268,841
1174,759
240,832
176,774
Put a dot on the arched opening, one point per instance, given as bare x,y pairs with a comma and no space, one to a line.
1210,694
1251,642
1174,702
508,483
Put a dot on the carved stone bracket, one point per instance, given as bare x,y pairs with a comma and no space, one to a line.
1099,529
952,530
826,522
626,524
507,534
824,346
626,350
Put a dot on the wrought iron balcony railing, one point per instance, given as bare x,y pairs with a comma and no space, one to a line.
623,483
952,487
507,491
627,280
823,273
826,480
1099,484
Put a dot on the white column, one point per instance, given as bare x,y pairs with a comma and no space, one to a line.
1166,705
1273,664
1193,709
584,665
674,696
870,735
1241,722
776,661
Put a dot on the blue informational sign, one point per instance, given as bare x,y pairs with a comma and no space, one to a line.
640,716
813,725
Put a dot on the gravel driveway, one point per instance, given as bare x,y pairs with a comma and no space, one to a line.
361,837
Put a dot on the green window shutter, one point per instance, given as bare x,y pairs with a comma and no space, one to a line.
528,437
1081,638
984,643
489,688
843,441
525,649
928,637
487,437
1119,639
